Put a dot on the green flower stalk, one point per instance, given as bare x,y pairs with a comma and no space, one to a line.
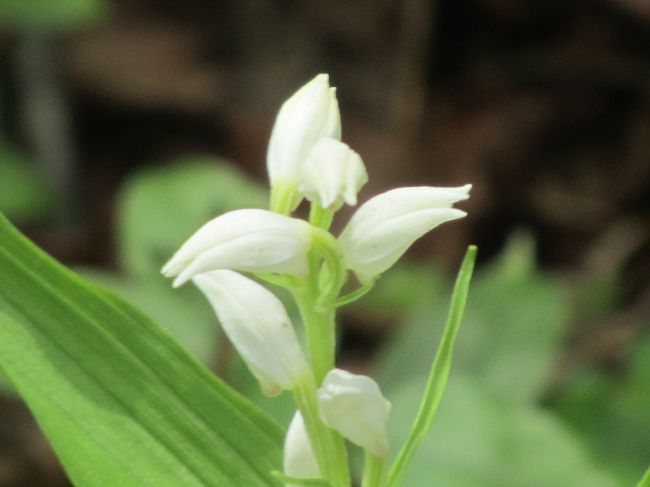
306,159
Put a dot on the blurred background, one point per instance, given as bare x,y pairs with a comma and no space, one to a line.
126,124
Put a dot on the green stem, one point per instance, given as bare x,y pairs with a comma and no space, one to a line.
374,473
320,331
320,217
328,445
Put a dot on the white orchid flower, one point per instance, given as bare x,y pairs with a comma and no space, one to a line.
310,114
384,227
258,326
244,240
332,174
299,457
354,406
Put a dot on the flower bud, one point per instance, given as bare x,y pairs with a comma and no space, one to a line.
257,324
332,174
311,113
299,457
354,406
244,240
384,227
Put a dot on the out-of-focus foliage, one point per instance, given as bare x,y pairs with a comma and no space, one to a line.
51,14
158,209
23,193
491,428
612,411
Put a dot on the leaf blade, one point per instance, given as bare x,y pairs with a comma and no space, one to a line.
111,366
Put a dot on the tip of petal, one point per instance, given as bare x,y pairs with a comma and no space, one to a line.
180,280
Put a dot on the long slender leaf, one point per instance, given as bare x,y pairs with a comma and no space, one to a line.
120,401
439,371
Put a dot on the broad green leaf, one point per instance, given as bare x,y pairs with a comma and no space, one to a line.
183,312
481,439
645,481
160,208
120,401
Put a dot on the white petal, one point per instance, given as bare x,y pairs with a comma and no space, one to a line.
299,457
354,406
332,174
311,113
384,227
257,324
245,240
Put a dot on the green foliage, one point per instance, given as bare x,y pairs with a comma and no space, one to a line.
645,481
51,14
23,193
479,439
612,411
158,209
162,206
490,428
514,326
121,402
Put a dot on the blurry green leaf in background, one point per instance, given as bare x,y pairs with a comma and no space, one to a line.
612,412
23,193
158,208
51,14
491,428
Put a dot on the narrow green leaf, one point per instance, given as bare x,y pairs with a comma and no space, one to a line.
645,481
120,401
439,371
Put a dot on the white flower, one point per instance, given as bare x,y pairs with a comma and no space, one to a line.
311,113
333,173
257,324
244,240
354,406
299,457
384,227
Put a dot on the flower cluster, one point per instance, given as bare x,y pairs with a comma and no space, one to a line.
306,159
